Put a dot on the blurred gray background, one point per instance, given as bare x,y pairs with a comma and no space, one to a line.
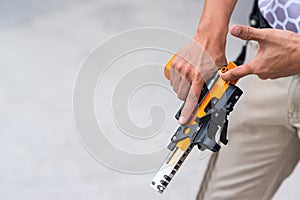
42,45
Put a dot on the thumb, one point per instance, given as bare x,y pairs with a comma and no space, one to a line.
237,73
247,32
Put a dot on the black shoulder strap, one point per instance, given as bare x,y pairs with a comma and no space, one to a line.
256,20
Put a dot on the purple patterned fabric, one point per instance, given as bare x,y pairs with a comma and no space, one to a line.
281,14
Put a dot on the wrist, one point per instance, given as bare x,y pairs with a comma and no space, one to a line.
214,46
210,34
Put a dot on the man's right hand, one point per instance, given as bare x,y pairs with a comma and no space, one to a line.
200,58
190,69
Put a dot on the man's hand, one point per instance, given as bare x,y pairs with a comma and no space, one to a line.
278,54
191,67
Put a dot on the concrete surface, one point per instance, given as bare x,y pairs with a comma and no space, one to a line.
42,45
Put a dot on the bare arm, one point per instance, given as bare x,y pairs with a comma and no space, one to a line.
213,28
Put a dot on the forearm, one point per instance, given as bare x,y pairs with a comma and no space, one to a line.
212,31
216,14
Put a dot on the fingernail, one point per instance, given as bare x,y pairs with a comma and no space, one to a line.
236,30
181,120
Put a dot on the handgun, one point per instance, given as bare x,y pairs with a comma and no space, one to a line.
206,128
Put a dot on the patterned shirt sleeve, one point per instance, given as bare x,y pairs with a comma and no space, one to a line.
282,14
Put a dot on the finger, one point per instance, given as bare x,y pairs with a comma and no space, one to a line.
247,32
172,70
237,73
191,101
179,68
183,89
176,81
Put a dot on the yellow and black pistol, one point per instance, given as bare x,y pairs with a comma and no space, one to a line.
206,128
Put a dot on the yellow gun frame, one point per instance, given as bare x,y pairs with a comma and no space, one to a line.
206,128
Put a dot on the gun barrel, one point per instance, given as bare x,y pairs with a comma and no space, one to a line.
167,171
